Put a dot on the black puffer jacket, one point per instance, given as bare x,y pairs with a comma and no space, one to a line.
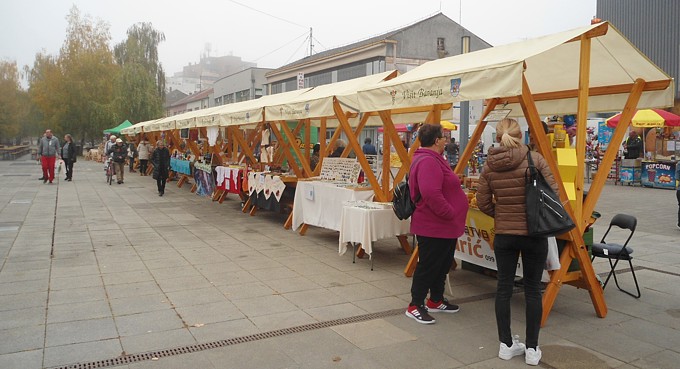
501,190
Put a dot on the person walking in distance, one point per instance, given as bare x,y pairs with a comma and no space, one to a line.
161,166
119,152
48,151
143,150
437,222
132,154
68,155
501,195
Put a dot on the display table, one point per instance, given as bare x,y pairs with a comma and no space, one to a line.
364,222
320,204
181,167
228,179
269,191
659,174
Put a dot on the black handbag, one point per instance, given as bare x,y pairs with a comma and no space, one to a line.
545,214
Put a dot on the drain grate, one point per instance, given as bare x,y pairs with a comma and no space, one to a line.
135,358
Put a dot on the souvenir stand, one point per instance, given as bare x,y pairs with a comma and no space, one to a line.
660,133
587,69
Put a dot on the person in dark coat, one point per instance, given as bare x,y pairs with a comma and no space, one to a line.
119,152
68,155
161,166
633,146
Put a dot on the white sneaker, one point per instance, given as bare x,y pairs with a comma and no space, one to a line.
507,353
532,357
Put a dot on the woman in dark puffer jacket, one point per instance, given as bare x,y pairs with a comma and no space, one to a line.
500,194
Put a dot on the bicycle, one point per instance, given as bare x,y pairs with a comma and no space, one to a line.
108,168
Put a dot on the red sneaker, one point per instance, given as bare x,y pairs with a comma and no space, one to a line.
419,313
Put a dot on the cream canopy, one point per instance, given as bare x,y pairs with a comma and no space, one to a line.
550,64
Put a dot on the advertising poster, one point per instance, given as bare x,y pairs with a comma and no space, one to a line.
604,134
658,174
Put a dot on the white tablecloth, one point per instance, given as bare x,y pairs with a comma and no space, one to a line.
320,204
368,225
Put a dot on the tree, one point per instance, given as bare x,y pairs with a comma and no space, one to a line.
13,102
74,90
140,87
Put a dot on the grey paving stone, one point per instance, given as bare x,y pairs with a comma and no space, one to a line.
62,283
24,359
233,278
82,352
75,295
26,317
127,277
332,312
23,301
157,341
19,287
139,304
74,271
196,297
193,360
314,298
264,305
117,291
120,267
80,331
142,323
249,356
25,338
282,320
209,313
409,355
78,311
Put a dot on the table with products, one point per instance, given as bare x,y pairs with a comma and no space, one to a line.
181,167
269,191
363,222
228,179
319,203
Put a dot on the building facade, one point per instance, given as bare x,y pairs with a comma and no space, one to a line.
403,49
245,85
653,26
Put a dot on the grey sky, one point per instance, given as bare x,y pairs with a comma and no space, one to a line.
230,28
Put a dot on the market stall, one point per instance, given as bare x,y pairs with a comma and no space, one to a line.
660,132
589,69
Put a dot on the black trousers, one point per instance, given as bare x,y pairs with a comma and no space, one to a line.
160,182
142,165
132,163
534,250
68,163
435,256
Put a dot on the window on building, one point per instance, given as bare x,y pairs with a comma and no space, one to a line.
351,72
441,46
242,95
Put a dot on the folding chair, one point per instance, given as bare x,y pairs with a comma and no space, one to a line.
615,252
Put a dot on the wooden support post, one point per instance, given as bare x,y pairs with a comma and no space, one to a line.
289,222
581,119
245,149
322,145
403,241
246,205
308,140
303,229
412,263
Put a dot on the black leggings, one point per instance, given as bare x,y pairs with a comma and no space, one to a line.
534,251
435,256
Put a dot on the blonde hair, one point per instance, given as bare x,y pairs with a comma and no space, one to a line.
509,132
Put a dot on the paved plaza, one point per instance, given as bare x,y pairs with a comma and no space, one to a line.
97,276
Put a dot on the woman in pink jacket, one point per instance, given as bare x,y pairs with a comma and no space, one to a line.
437,222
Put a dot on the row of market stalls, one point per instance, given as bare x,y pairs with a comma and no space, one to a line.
589,69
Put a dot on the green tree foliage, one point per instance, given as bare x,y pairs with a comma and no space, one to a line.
140,88
13,102
74,91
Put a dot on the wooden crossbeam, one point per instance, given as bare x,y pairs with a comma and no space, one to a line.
368,173
296,149
284,147
476,136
